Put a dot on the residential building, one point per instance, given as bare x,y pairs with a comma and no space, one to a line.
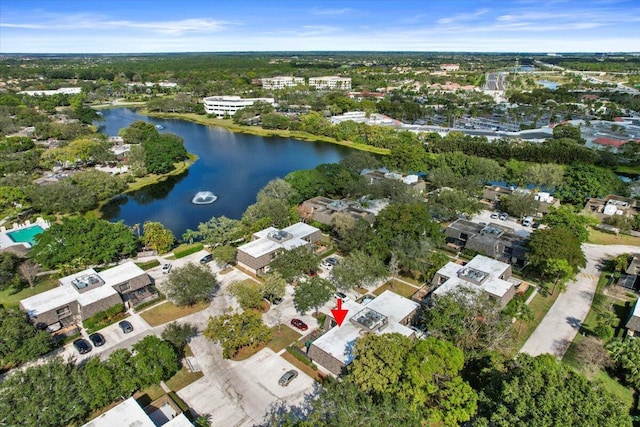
280,82
365,94
631,278
164,412
83,294
388,313
330,82
612,205
449,67
223,106
61,91
493,193
494,240
480,274
633,324
324,210
268,243
411,180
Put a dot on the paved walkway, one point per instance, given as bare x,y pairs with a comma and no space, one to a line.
559,327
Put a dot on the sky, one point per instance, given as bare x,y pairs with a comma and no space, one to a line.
140,26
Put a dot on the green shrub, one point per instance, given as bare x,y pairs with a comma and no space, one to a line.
146,304
184,250
104,318
148,265
299,354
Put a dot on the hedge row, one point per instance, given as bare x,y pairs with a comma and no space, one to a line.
184,250
299,354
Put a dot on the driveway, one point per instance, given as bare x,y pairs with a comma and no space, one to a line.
240,393
559,327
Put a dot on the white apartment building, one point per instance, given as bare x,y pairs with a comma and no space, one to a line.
330,82
280,82
223,106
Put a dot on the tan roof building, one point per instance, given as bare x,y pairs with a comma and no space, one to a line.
83,294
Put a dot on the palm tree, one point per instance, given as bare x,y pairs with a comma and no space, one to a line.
189,235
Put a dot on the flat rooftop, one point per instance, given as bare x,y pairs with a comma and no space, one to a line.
481,273
68,290
126,414
265,241
339,342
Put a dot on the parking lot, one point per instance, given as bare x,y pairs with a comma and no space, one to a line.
519,229
240,393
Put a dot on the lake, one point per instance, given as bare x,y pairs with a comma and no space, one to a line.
233,166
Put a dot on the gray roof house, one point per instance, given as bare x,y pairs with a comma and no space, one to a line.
481,273
83,294
267,243
494,240
631,278
633,324
388,313
324,210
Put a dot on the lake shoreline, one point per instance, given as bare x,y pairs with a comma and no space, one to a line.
259,131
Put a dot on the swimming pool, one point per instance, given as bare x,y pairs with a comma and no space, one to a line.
26,235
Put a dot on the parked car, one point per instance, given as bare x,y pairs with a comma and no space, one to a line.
504,216
273,299
205,259
126,326
342,296
97,339
288,376
495,215
527,221
536,225
299,324
166,268
332,261
82,346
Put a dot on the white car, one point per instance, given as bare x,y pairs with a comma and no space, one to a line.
166,268
342,296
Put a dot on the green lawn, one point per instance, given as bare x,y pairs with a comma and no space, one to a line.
148,265
540,304
397,287
10,299
168,312
281,340
183,378
602,302
599,238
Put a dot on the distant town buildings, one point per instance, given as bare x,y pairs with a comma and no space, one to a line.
268,243
280,82
223,106
330,82
450,67
480,274
61,91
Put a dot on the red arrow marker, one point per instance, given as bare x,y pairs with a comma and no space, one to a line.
338,313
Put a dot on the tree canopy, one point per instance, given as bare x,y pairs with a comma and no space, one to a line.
541,391
190,284
235,331
87,240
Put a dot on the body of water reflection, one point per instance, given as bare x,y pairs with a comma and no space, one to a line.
233,166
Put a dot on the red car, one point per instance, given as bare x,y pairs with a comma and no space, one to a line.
299,324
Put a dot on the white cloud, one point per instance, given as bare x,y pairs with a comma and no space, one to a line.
463,17
96,23
332,12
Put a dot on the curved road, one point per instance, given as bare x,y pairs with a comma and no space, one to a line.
561,324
